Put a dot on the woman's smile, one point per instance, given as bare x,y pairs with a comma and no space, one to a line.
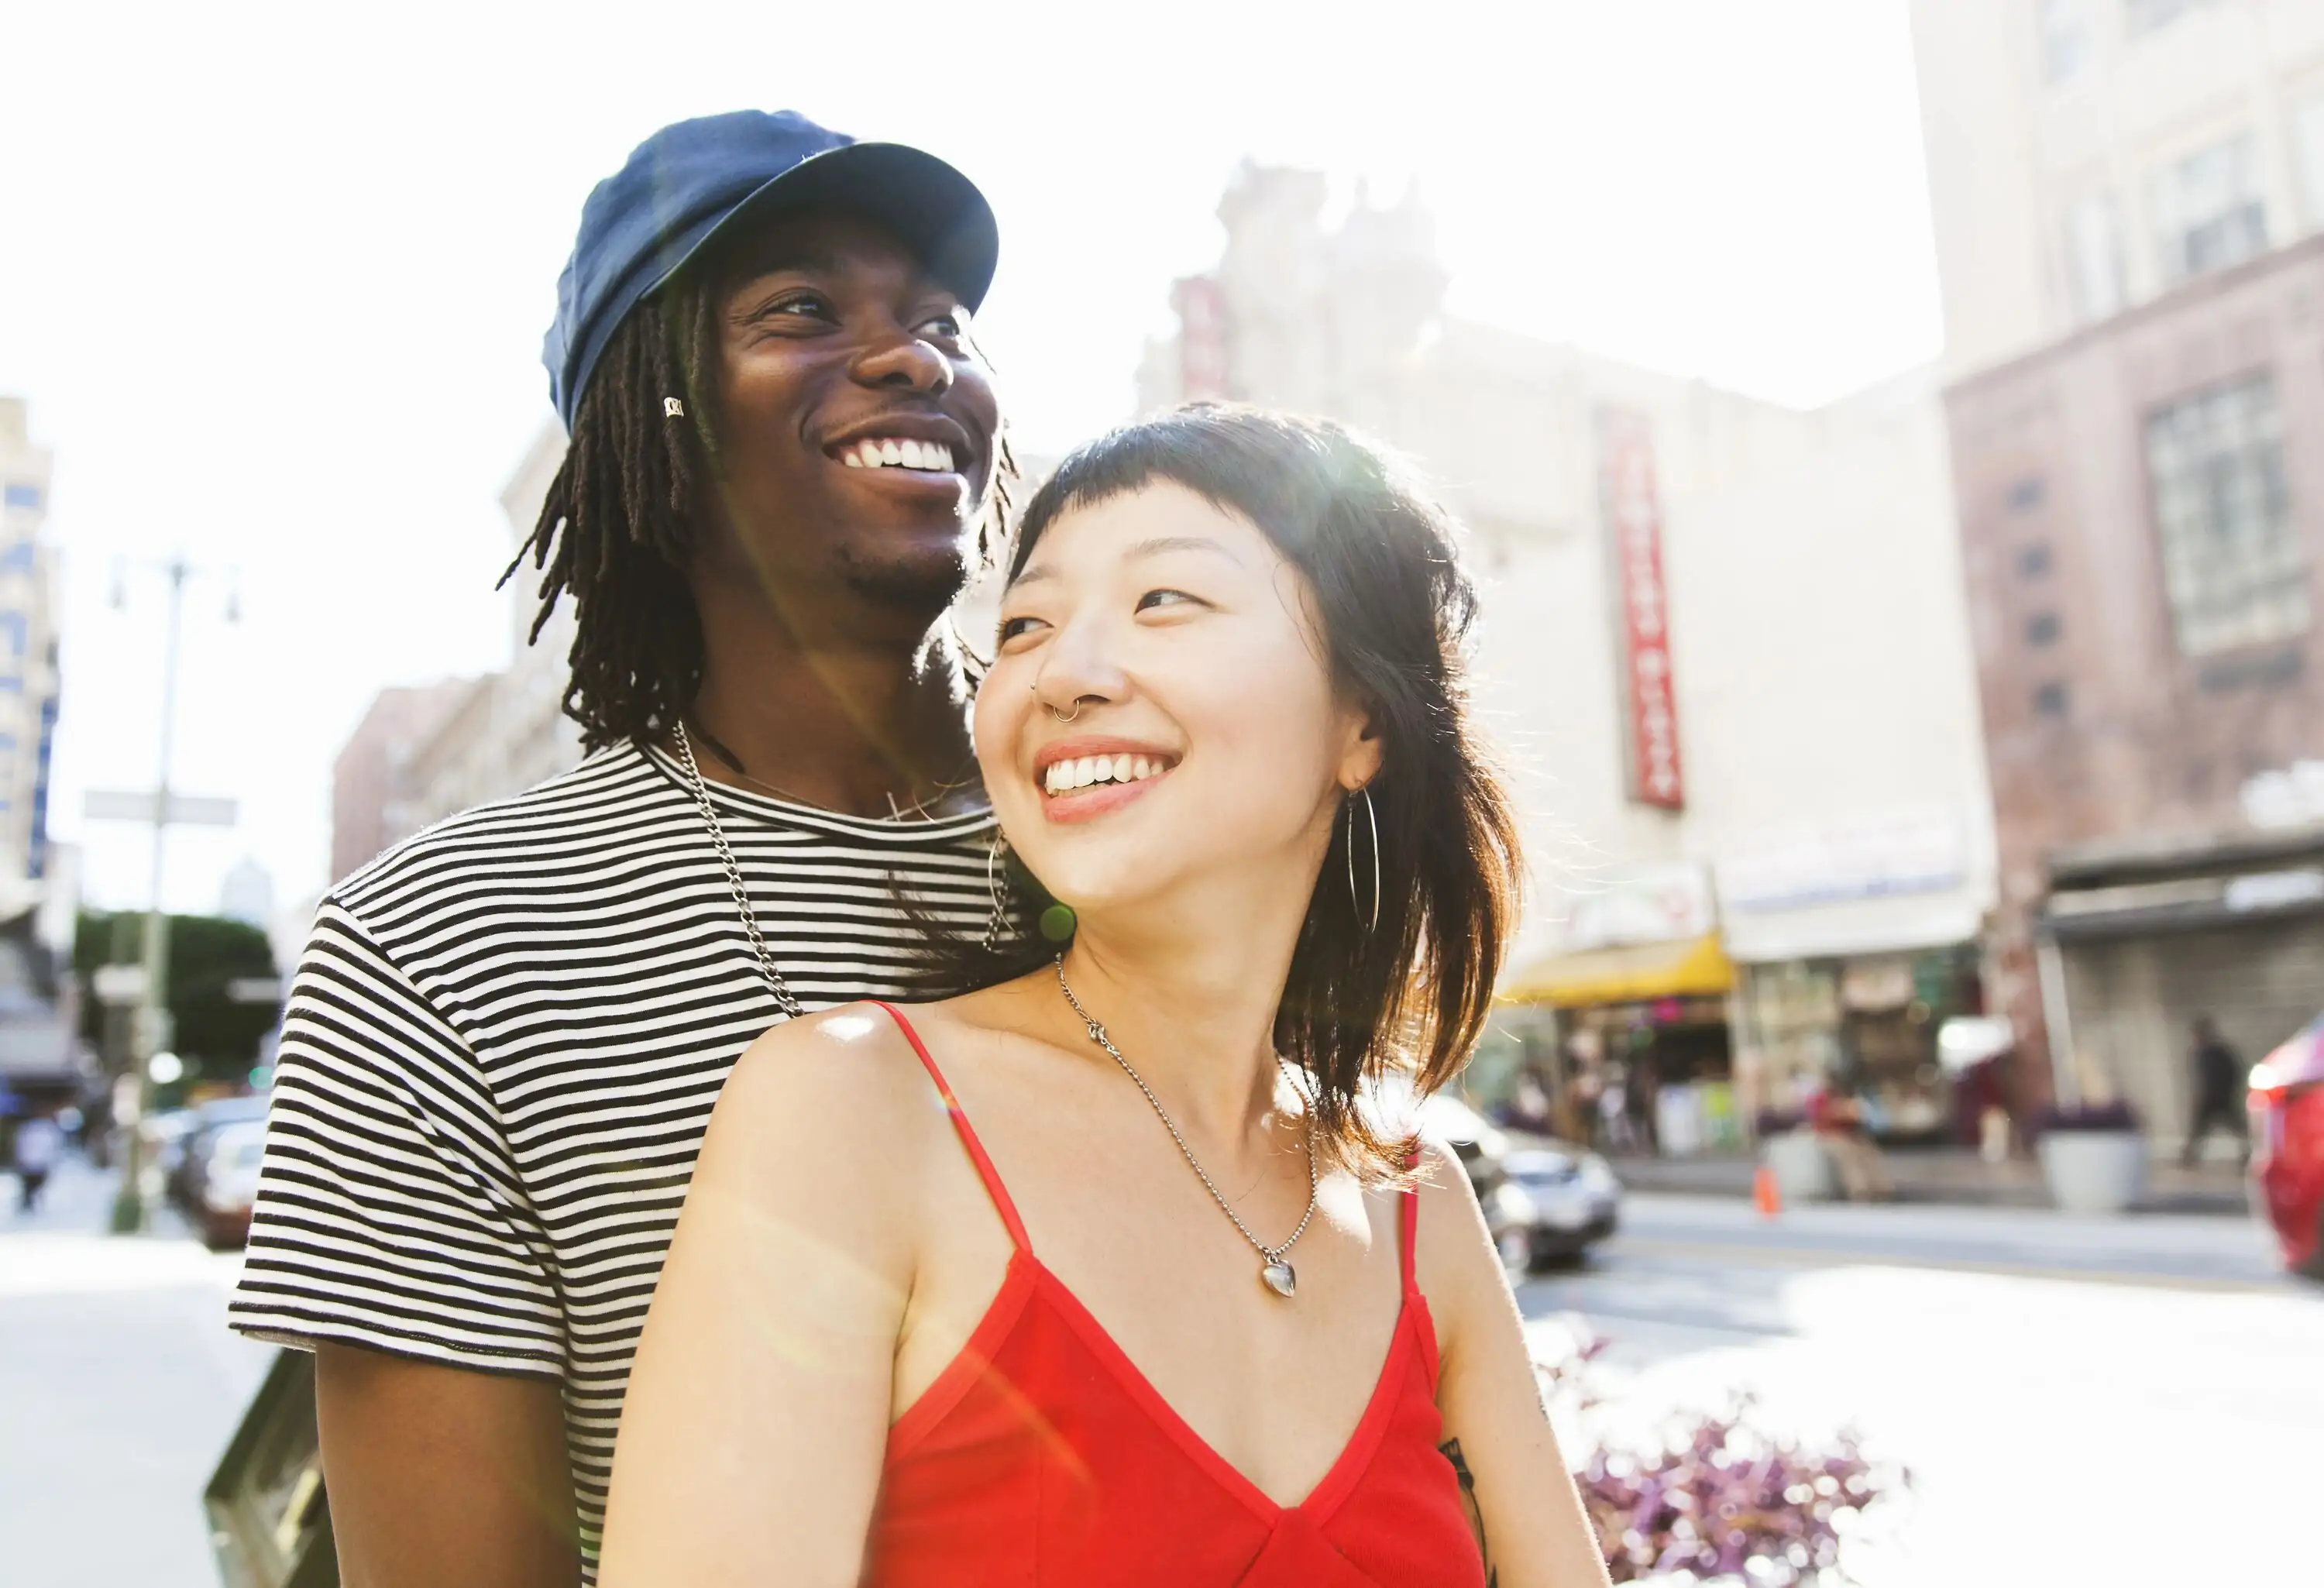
1091,775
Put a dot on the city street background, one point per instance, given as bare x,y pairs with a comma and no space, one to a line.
1889,438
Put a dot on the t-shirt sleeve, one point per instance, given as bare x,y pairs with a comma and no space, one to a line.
390,1214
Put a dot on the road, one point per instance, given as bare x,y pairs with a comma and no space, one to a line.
2083,1401
2114,1402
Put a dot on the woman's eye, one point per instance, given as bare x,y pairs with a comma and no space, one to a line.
1012,628
1154,599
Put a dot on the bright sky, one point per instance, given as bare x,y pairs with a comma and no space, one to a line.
274,278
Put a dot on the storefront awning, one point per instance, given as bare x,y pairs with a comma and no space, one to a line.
1696,967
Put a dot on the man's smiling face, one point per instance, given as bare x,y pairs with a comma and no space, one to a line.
855,420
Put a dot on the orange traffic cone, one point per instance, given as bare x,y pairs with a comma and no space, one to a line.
1765,1194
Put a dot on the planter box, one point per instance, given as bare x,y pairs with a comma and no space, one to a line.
2094,1171
1804,1171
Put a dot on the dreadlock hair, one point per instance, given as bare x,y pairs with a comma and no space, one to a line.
617,531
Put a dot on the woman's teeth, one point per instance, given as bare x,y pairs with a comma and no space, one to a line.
895,452
1065,776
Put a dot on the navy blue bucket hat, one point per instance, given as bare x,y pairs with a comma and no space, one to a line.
694,179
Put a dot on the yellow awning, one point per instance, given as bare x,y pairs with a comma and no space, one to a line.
1696,967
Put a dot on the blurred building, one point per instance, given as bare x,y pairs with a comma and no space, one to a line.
28,659
246,894
1724,641
2088,156
2126,198
501,734
370,780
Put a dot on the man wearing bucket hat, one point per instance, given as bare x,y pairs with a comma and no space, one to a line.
505,1036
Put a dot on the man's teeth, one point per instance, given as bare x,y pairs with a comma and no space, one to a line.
1065,776
897,452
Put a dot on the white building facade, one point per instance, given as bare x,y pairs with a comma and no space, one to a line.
1723,642
2086,155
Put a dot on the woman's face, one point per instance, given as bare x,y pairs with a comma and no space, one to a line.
1206,743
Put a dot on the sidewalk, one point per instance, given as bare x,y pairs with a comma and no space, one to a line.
1951,1175
119,1385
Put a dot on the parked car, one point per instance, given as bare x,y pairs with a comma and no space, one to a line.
1544,1200
229,1184
184,1182
2287,1168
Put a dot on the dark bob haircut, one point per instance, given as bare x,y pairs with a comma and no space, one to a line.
1410,994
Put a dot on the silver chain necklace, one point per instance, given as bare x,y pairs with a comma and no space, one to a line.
784,1000
1276,1273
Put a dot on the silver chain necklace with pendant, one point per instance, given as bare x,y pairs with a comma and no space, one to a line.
1273,1272
782,989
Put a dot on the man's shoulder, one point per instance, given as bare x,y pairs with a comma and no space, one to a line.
612,801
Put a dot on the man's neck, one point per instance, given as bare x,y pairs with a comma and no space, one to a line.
866,730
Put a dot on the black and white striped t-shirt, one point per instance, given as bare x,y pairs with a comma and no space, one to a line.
502,1049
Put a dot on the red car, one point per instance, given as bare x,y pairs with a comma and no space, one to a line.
2287,1117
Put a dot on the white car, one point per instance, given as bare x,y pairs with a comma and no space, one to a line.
230,1183
1544,1199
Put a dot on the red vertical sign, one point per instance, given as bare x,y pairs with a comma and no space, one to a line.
1634,533
1202,306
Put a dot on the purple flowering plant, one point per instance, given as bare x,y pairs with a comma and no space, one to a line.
1719,1496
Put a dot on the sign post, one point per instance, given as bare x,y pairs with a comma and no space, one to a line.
161,810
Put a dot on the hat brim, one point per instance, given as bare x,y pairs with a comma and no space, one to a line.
930,207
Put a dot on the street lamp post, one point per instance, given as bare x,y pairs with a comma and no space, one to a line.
147,1037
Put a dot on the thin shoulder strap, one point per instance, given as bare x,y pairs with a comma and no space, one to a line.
1408,1230
976,1153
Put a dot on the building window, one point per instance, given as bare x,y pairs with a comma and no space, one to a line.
2209,213
2050,700
2026,494
2143,16
2033,561
2041,629
2308,139
2232,567
2094,257
20,493
2065,27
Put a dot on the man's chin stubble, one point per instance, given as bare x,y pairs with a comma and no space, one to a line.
917,588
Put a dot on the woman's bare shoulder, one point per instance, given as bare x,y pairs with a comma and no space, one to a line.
843,1081
1458,1266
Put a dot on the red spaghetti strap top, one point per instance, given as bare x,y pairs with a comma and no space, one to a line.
1041,1457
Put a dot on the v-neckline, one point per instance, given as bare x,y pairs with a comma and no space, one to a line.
1328,1490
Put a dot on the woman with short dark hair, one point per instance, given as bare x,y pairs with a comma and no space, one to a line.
1119,1269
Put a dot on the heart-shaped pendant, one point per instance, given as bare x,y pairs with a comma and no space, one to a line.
1280,1277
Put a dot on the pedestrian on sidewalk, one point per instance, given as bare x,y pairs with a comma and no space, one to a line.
40,1144
2218,1077
1837,1116
505,1036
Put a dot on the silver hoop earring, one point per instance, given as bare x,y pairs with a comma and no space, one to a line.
1371,819
998,919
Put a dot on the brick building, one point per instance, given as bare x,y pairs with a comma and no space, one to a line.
2142,509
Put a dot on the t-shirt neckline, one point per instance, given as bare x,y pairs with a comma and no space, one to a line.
750,804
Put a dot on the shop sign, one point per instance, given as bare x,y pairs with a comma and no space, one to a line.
1652,904
1202,306
1865,857
1634,532
2273,890
2289,797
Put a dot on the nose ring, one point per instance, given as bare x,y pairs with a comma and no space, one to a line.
1061,716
